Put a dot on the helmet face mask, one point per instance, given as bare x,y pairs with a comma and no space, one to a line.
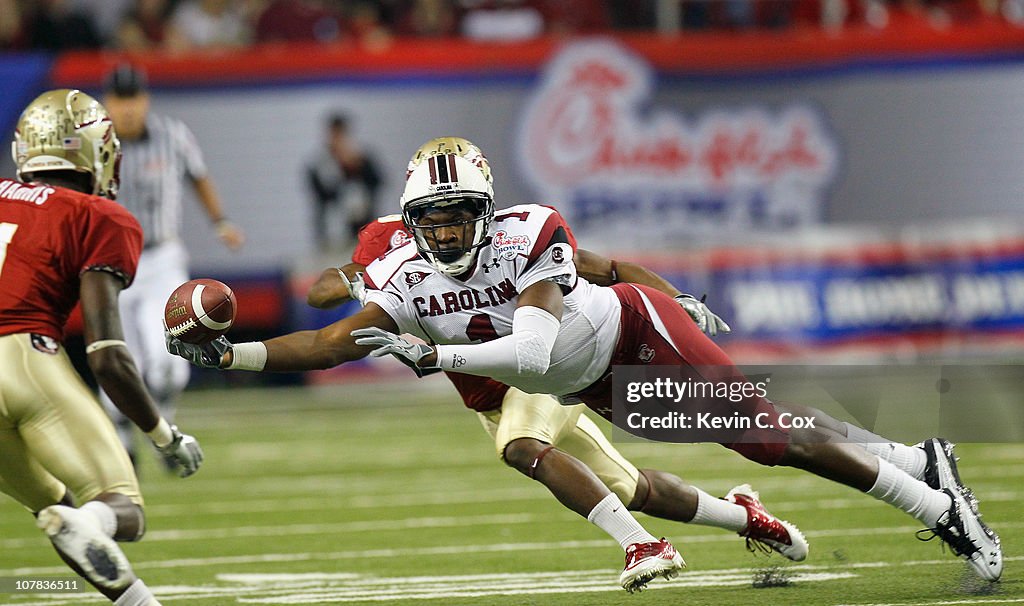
448,205
67,130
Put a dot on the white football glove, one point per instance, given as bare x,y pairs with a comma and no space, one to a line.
707,321
356,287
208,355
185,451
390,343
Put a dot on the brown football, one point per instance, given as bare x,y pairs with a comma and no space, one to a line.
200,310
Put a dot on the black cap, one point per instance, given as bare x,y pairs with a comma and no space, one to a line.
126,81
338,121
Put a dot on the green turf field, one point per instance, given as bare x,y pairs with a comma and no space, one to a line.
366,494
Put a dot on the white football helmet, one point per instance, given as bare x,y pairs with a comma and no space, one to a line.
448,184
451,145
67,130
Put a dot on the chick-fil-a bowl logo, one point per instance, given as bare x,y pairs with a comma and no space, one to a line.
510,246
585,144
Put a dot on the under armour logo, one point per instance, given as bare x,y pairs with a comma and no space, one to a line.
458,361
489,266
646,354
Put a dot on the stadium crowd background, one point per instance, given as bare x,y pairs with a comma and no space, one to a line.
178,25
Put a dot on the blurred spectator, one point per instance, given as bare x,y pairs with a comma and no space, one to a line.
12,30
147,26
345,179
55,25
212,23
575,16
365,24
633,14
509,20
106,15
286,20
428,19
500,20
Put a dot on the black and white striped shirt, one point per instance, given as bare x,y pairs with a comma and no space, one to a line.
154,169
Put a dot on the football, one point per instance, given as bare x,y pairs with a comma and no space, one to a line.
200,310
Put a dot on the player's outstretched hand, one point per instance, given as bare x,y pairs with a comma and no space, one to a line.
389,343
185,451
356,287
208,355
707,321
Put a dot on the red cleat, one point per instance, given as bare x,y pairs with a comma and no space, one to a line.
644,561
766,530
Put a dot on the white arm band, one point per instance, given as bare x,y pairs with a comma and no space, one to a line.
248,356
527,351
103,344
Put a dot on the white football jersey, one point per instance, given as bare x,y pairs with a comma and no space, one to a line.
529,243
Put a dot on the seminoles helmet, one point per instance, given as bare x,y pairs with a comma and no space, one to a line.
68,130
451,145
448,182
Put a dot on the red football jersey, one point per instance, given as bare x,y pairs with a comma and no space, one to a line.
48,237
380,236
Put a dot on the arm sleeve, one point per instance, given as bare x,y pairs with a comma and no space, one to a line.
112,241
527,351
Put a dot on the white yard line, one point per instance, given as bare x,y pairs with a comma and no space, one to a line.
318,528
324,588
279,530
470,497
467,549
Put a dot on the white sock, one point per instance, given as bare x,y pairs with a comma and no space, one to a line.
910,459
897,488
104,514
611,516
137,594
719,513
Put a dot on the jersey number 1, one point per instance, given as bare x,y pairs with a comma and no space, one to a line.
480,328
6,235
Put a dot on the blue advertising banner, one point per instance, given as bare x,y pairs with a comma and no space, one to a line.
24,76
871,296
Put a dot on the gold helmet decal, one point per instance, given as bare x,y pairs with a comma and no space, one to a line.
463,148
68,130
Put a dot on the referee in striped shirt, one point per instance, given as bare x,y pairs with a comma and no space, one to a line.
159,156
